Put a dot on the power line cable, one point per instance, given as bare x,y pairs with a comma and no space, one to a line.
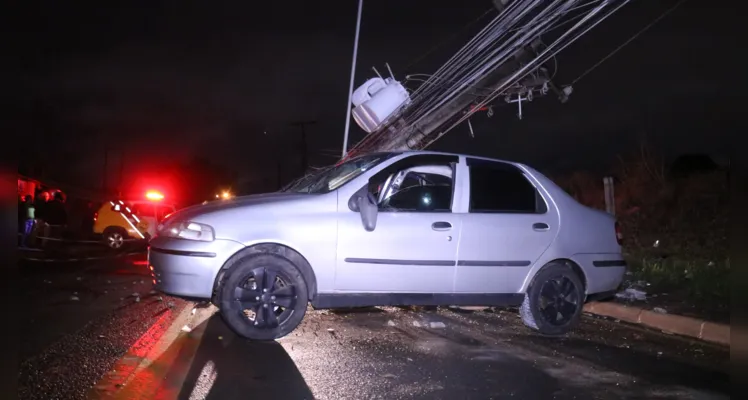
651,24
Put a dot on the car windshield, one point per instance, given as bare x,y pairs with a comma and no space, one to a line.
332,178
304,181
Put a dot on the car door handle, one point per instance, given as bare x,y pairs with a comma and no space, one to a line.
441,226
540,226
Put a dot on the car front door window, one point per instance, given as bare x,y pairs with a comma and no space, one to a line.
420,192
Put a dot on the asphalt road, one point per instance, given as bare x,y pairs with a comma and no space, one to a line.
398,354
387,353
78,319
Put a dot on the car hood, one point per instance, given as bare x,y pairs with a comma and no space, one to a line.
237,202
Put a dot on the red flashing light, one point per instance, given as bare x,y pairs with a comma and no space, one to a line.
154,195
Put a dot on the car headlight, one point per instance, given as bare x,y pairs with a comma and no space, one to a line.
190,231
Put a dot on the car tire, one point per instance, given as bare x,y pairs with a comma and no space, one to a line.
115,238
555,288
255,313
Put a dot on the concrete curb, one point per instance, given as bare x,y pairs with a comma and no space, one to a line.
686,326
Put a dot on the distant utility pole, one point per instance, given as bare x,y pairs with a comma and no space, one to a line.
120,181
279,177
106,169
304,149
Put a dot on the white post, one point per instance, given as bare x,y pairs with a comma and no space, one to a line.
610,199
353,72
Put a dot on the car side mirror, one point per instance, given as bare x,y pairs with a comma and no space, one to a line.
368,208
353,201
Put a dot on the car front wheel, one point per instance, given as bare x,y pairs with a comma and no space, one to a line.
264,297
553,303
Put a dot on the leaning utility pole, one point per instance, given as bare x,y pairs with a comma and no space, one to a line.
353,74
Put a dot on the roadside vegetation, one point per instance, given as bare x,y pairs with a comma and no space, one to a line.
674,223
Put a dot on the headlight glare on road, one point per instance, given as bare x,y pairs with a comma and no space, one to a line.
190,231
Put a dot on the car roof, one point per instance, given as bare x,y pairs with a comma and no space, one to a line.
454,154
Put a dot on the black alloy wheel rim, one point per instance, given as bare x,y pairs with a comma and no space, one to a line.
267,295
559,300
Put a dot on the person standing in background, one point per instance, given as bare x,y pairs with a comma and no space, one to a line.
29,220
55,216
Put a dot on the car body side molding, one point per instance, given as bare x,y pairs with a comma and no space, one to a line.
489,263
343,300
439,263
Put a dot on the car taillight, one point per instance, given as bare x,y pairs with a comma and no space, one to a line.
619,234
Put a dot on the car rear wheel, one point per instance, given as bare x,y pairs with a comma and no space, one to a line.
114,238
553,303
264,297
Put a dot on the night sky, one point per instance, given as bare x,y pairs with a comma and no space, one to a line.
163,82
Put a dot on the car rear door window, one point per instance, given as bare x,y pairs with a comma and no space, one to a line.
497,187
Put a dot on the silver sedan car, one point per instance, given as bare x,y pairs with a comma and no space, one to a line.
405,228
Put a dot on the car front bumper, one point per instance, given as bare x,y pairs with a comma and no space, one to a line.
187,268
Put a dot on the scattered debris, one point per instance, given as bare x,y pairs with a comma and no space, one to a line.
186,329
102,336
137,299
142,282
152,292
631,294
75,293
160,298
435,325
330,330
409,359
108,281
390,323
660,310
389,376
194,310
220,338
74,298
659,353
416,324
136,294
78,278
170,304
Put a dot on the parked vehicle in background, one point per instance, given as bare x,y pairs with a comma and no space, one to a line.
401,228
118,221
